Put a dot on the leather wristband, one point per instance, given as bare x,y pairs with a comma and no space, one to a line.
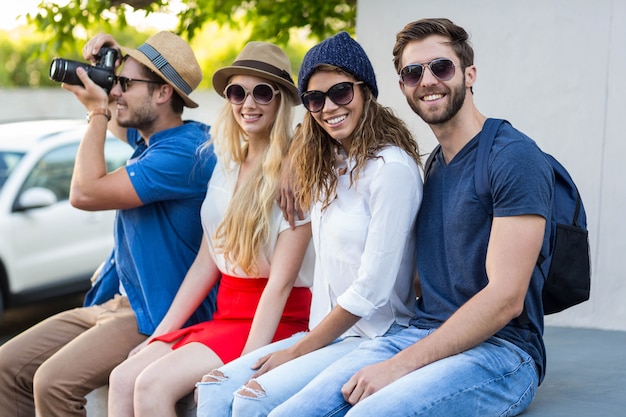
102,111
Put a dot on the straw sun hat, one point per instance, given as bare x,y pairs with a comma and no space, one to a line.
261,59
172,59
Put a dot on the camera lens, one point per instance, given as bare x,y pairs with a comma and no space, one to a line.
64,71
57,70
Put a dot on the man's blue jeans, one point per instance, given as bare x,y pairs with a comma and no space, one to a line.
496,378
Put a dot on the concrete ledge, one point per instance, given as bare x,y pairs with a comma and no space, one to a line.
97,404
586,377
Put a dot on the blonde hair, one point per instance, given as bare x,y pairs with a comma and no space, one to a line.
246,224
314,151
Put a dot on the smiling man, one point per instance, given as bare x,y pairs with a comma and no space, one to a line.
52,366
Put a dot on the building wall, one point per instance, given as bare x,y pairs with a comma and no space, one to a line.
553,68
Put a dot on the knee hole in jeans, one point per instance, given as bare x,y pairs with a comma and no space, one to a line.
251,390
214,376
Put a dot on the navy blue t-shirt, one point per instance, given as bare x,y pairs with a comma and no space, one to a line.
453,229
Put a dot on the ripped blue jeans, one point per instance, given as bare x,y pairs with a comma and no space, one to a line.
223,397
495,378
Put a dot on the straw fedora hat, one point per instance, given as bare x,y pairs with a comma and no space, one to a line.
261,59
172,59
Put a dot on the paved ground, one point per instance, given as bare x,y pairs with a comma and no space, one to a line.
586,375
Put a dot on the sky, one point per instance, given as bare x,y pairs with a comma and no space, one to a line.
14,8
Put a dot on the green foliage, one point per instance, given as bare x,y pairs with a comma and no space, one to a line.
25,55
216,29
271,20
20,63
66,28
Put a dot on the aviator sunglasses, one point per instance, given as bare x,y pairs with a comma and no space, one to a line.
341,94
125,82
261,93
442,68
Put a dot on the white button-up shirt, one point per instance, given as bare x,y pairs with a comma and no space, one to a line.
365,245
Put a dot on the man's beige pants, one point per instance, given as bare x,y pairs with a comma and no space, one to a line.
52,366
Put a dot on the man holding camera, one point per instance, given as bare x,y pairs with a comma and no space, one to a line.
55,364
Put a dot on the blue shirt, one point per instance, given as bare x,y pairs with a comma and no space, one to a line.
156,243
453,231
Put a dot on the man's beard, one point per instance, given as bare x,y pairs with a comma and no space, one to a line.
139,118
457,97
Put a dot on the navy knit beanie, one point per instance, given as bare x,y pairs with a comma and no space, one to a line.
341,51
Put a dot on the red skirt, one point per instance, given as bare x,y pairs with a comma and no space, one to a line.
237,299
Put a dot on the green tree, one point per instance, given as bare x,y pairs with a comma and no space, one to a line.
217,30
270,20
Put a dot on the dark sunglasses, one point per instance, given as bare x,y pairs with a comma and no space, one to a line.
261,93
341,94
442,68
125,82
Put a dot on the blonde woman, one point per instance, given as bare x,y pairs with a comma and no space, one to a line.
264,267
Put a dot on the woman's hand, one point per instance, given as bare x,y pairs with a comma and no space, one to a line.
271,361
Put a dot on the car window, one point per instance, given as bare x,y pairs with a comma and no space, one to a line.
54,172
8,161
54,169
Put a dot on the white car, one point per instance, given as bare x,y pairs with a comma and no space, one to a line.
47,247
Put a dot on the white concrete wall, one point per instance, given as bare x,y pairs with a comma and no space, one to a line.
555,69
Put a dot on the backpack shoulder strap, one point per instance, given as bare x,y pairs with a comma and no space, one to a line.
485,142
430,159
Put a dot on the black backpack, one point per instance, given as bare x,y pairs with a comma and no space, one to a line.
567,268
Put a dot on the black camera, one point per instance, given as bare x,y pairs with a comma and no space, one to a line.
102,73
